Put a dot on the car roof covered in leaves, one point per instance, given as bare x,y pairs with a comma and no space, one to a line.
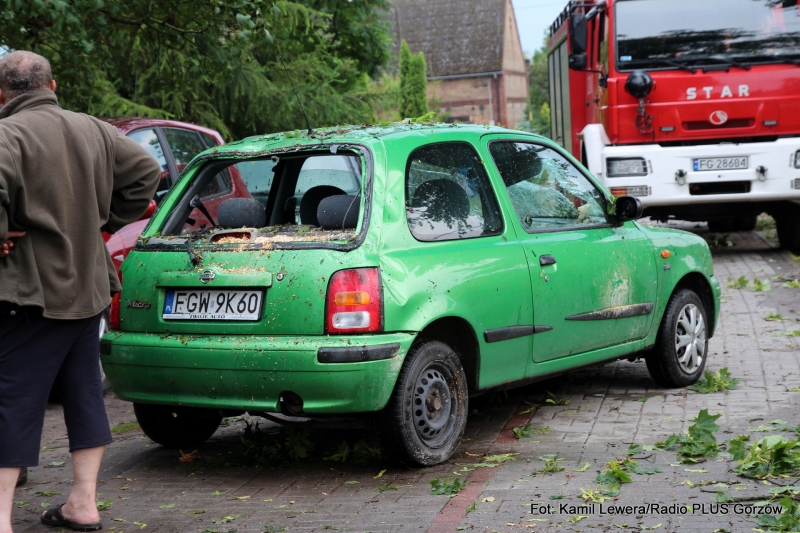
361,134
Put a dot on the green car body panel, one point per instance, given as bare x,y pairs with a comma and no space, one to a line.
451,290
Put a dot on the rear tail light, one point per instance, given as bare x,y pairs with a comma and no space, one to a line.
113,315
354,303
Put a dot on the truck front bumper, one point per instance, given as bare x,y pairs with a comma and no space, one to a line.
780,182
251,373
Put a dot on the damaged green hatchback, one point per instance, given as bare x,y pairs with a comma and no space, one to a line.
397,271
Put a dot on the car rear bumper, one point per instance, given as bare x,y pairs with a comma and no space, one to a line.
251,373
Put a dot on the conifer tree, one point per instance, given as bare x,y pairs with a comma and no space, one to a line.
413,83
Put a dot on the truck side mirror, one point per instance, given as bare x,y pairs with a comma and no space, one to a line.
628,208
578,61
578,33
578,40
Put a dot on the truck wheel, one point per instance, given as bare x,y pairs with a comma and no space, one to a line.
176,427
679,356
788,226
425,418
746,223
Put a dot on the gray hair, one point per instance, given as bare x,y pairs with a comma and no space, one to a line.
23,72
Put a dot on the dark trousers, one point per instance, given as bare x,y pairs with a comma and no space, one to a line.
35,354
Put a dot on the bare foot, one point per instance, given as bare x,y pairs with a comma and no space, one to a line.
80,515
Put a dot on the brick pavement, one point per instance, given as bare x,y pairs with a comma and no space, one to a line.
610,407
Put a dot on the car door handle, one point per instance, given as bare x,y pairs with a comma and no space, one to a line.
547,260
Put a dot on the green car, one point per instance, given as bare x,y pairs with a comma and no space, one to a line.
397,271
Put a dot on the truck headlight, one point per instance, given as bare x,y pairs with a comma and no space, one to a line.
618,168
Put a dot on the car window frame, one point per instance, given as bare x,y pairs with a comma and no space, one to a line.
476,149
571,160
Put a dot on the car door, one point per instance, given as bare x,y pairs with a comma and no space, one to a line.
456,255
593,281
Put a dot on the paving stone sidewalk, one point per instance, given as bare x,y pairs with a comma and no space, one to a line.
609,408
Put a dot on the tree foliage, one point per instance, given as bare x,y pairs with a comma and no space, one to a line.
215,62
413,83
539,83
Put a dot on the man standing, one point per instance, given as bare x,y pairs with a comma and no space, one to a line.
64,178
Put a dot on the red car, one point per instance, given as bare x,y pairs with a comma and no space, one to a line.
173,144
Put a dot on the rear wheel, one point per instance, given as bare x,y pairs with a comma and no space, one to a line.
176,427
679,356
426,415
746,222
787,225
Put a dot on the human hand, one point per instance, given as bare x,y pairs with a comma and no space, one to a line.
8,244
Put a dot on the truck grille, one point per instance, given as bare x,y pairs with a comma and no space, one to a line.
706,125
796,183
719,187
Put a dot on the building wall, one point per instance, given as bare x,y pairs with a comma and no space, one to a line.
515,71
466,99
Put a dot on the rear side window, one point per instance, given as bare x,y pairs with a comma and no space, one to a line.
184,145
448,194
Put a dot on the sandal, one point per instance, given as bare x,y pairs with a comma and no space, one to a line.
53,517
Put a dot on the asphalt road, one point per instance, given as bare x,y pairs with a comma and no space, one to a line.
149,488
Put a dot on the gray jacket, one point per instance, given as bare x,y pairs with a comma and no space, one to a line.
64,178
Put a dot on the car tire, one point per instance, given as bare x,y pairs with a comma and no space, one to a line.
787,225
176,427
424,421
681,349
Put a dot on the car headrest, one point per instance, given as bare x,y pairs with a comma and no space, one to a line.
338,212
443,199
311,200
241,213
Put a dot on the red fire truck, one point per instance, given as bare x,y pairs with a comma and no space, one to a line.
693,106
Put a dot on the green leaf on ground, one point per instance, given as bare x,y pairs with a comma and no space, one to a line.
556,496
387,487
226,519
552,400
582,469
550,465
102,506
196,511
48,492
715,382
446,487
167,506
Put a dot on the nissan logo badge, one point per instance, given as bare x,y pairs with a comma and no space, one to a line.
207,276
718,118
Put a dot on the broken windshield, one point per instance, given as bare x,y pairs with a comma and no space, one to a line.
705,33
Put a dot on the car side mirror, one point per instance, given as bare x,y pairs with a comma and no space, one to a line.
151,208
628,208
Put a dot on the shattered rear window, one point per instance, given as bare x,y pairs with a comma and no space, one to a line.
313,197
